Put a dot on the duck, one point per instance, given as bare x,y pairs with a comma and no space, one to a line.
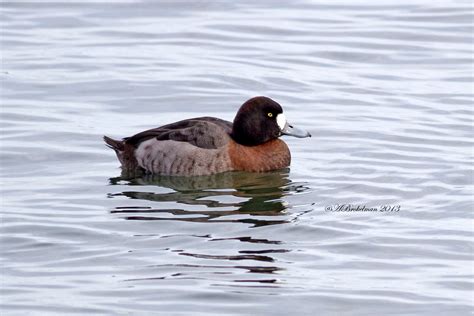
209,145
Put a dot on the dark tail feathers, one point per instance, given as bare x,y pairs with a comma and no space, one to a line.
116,145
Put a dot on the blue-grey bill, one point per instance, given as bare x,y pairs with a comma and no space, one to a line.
290,130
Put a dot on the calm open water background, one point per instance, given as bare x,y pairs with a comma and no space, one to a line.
384,87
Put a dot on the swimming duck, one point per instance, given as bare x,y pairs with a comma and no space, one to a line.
209,145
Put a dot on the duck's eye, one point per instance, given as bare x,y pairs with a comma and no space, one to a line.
270,114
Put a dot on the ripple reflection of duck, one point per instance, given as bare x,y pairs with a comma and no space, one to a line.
258,194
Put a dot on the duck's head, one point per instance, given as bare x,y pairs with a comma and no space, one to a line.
261,119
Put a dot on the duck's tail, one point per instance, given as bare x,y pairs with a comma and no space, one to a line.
117,145
126,156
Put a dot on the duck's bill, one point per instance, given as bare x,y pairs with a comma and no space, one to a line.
290,130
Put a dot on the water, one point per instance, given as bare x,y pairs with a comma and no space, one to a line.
384,87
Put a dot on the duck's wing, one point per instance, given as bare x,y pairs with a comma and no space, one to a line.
203,132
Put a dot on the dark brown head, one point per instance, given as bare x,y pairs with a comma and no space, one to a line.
259,120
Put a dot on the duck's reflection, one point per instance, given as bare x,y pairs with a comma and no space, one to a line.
252,198
258,194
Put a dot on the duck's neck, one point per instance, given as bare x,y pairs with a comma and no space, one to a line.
271,155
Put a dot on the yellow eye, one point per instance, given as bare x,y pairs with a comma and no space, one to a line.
270,114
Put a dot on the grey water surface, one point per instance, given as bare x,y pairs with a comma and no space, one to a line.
385,87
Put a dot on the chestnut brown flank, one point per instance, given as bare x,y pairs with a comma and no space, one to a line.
271,155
